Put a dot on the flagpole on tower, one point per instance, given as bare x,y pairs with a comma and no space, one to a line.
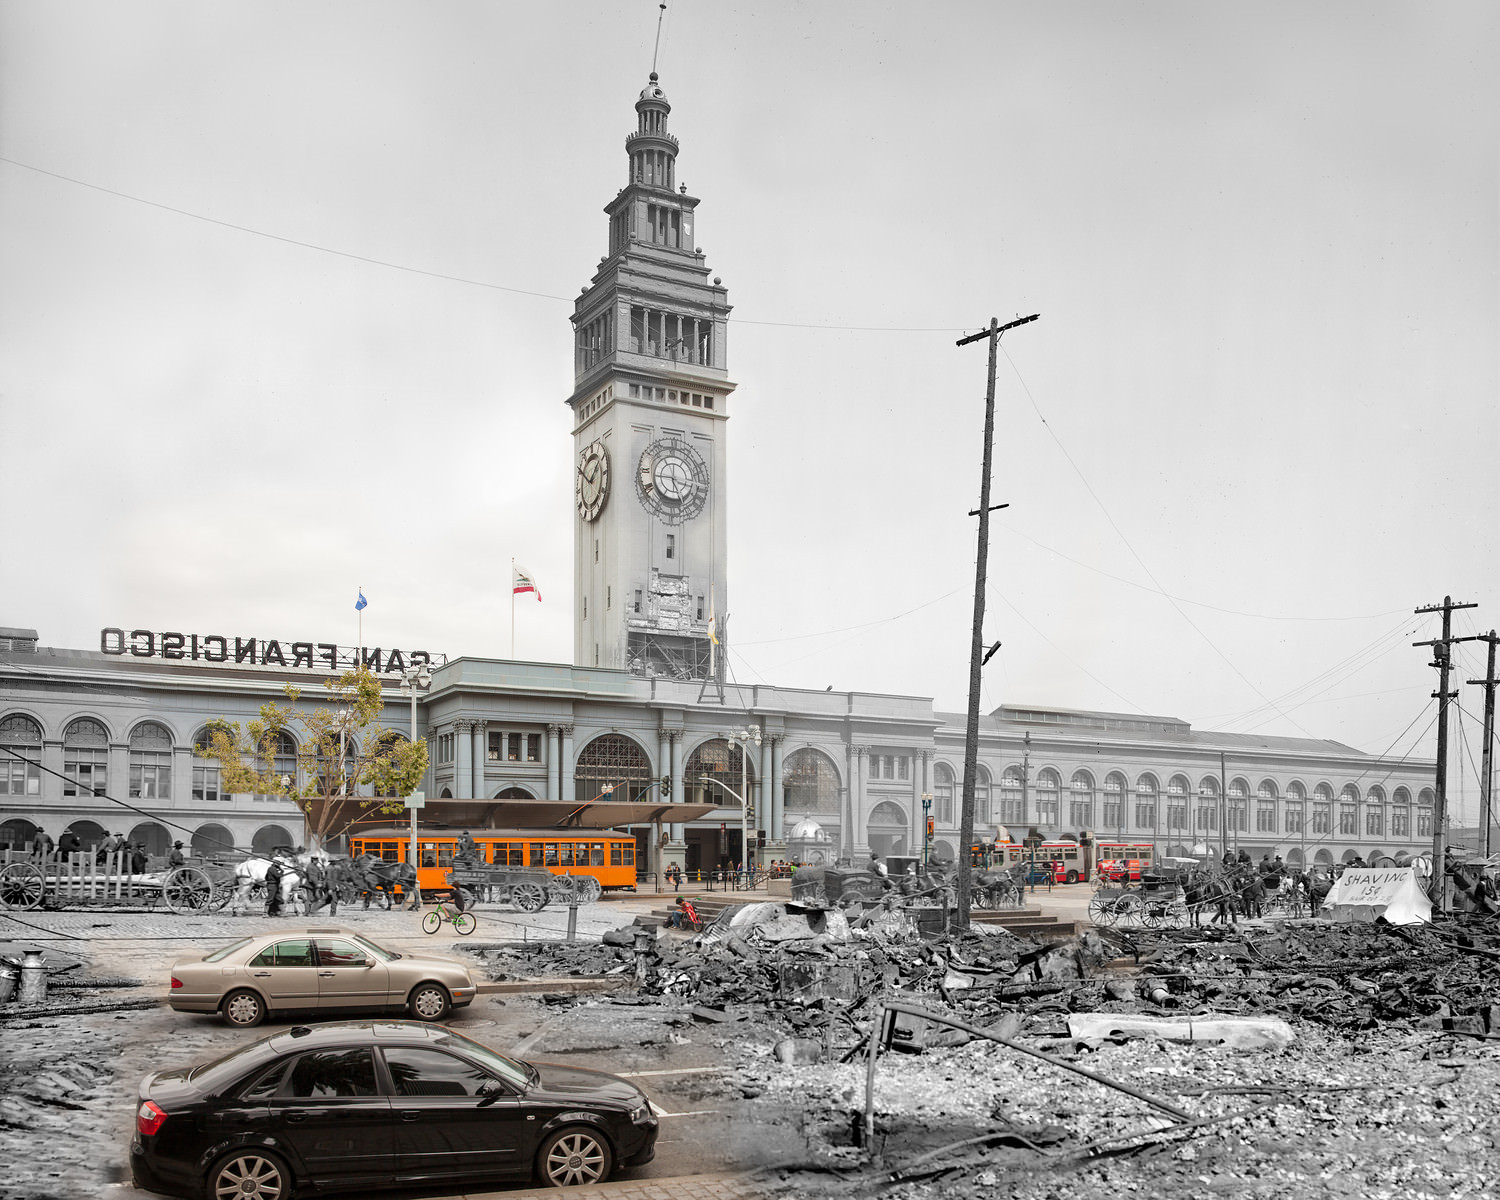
512,610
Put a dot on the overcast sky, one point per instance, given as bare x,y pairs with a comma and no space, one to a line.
1254,429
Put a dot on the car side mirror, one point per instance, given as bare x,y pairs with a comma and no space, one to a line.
369,962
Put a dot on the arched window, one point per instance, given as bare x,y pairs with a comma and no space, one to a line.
20,776
812,783
887,829
150,762
1265,806
1237,808
85,758
1081,801
1145,802
1177,803
719,761
153,836
1113,817
1208,804
1048,791
611,760
1012,798
942,795
1349,811
982,811
1322,809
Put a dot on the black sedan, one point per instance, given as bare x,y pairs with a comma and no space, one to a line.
357,1105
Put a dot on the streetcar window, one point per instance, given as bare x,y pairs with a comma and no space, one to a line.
596,854
445,853
510,854
565,855
614,854
536,854
629,850
549,854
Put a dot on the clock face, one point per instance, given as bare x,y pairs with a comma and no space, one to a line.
592,484
672,481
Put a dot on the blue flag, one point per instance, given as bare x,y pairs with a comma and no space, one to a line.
360,603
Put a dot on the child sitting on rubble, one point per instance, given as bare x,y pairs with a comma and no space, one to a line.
685,916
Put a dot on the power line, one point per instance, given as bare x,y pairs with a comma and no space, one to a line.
443,275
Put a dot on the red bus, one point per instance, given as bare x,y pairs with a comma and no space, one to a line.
1119,860
608,856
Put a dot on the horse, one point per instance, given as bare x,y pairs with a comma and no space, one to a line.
382,878
1203,888
251,874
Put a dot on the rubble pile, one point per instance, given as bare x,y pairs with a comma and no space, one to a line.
1347,977
1385,1085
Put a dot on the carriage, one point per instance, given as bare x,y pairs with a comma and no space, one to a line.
1155,903
200,885
530,889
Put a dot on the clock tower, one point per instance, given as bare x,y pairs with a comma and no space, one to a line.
650,401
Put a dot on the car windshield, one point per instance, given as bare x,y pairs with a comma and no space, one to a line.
226,951
379,952
211,1075
512,1070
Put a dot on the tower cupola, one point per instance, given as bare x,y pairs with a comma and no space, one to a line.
651,149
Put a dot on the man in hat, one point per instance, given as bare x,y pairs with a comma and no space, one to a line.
176,858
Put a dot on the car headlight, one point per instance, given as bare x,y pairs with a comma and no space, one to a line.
640,1111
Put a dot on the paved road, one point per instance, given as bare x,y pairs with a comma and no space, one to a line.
67,1085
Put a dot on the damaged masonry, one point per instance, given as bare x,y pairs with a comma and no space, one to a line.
1300,1059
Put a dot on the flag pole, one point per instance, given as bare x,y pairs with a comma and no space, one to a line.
512,610
359,648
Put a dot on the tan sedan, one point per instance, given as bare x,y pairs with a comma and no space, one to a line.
332,970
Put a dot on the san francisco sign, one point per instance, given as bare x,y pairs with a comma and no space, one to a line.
265,652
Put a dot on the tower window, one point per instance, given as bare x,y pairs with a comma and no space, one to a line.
596,549
637,599
608,597
585,608
700,608
671,546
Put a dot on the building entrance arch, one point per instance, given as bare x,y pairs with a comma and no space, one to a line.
151,835
268,837
888,831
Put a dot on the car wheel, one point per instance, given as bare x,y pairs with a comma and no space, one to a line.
429,1002
249,1175
244,1009
574,1156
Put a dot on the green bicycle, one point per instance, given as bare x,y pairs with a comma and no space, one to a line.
432,920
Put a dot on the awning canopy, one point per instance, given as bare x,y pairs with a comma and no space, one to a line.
563,814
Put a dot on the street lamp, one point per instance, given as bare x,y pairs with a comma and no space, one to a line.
926,825
747,811
417,677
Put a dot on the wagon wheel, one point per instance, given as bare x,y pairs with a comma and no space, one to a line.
188,889
1102,909
1129,909
589,889
22,886
528,896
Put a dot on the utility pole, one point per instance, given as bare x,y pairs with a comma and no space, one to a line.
1442,656
1486,760
976,657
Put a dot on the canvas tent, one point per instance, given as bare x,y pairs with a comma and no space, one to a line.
1364,893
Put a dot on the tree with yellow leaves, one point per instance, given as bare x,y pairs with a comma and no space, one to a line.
348,765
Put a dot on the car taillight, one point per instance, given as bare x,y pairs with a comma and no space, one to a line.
176,983
149,1118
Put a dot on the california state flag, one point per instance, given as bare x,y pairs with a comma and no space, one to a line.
522,580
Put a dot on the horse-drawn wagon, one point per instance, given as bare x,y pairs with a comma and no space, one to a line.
200,885
528,888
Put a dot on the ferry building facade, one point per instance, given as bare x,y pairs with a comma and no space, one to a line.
101,739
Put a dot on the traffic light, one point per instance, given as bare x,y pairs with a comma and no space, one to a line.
666,785
760,839
930,826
